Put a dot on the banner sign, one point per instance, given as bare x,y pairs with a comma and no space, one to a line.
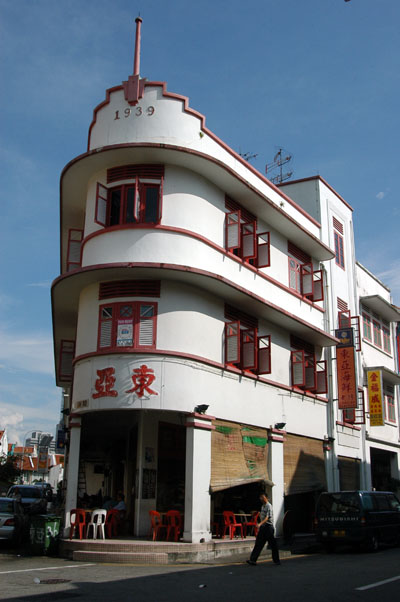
43,455
346,378
125,333
375,396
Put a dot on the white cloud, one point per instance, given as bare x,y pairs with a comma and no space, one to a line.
31,352
19,423
380,195
391,277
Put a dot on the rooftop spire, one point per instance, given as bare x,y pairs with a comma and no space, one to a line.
136,62
134,87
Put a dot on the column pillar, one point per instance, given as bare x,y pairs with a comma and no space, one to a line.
73,468
276,438
197,478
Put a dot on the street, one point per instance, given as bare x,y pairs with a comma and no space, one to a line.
342,576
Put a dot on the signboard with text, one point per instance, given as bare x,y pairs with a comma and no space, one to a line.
346,378
375,398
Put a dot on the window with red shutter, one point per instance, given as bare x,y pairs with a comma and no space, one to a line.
130,203
264,354
75,238
232,342
298,368
249,349
130,325
67,353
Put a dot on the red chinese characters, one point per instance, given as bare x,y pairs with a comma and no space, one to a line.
104,383
142,378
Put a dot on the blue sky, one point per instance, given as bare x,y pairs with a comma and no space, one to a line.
320,78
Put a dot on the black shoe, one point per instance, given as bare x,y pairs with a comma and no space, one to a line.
277,562
251,562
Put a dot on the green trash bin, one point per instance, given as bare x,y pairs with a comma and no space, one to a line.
44,534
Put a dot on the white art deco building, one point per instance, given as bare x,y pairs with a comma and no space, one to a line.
188,280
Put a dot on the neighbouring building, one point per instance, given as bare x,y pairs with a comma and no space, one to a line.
196,322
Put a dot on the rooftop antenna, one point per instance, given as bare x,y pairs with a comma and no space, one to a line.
134,87
248,156
281,158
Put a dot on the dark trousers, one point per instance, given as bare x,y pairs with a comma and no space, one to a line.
265,534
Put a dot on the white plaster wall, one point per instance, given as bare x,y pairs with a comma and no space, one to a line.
148,246
170,124
182,384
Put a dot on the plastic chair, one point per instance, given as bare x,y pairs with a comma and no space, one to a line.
156,524
174,524
77,519
252,524
111,524
97,523
231,524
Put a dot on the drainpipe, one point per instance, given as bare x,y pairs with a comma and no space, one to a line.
330,441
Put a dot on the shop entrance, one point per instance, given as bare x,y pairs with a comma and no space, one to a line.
171,467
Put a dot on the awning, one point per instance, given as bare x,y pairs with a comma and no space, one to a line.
304,465
239,455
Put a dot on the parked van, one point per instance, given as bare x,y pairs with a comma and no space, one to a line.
357,518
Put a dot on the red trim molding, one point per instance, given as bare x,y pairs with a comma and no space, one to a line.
211,244
203,360
348,425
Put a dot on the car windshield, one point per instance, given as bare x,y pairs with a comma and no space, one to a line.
342,503
6,506
25,492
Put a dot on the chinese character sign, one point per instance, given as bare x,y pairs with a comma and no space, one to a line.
105,383
375,396
346,378
142,378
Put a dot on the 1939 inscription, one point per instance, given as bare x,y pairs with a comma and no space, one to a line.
137,111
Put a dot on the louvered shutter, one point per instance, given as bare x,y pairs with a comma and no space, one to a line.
310,374
298,368
344,319
318,286
105,330
101,204
74,249
249,348
321,377
232,342
146,325
263,250
264,354
249,239
232,230
307,280
67,352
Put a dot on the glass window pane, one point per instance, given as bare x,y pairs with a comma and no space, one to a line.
130,205
150,202
115,206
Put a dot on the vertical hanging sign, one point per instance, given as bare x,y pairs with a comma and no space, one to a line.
346,370
375,397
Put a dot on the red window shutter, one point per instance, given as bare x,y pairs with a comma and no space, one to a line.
147,324
307,280
298,368
249,240
105,327
263,250
321,377
232,342
318,286
249,349
310,372
264,354
74,249
67,353
101,205
344,319
232,230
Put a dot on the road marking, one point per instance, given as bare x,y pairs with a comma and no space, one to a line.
49,568
378,583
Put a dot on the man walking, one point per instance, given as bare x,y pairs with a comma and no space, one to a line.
266,533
